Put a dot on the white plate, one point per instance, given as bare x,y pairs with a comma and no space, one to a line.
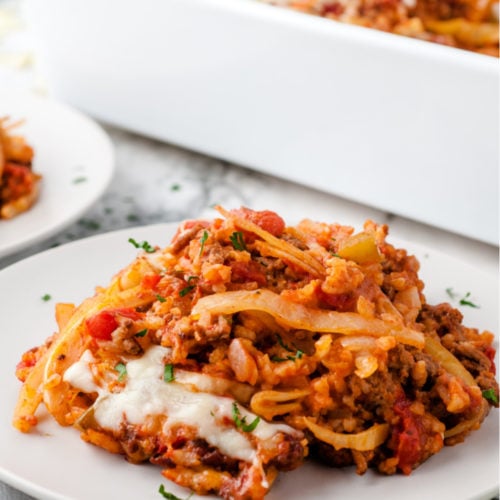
54,463
74,156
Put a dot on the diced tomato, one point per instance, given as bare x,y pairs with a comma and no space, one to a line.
150,281
407,436
266,219
104,323
243,272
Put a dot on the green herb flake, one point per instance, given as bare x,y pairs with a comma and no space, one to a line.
46,297
203,240
191,286
170,496
186,290
79,180
277,359
490,395
238,241
142,333
159,298
144,245
297,352
168,373
466,302
122,371
175,187
282,344
132,218
241,422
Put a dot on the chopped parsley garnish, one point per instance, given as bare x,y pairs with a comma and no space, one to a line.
159,298
190,286
241,423
336,255
175,187
277,359
466,302
282,344
79,180
142,333
186,290
168,373
170,496
238,241
122,371
203,239
46,297
490,395
144,245
132,218
297,352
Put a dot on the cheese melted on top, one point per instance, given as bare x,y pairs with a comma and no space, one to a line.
147,394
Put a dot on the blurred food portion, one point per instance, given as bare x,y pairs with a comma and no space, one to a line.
19,185
466,24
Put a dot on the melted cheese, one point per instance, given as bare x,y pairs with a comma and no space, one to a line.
147,394
79,374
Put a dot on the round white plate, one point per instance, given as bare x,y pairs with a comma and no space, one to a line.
74,156
52,462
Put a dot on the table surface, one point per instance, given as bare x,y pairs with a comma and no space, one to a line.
200,182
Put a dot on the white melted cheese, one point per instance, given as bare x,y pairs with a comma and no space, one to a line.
147,394
80,376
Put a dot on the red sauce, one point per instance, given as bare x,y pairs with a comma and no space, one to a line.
407,436
244,272
339,301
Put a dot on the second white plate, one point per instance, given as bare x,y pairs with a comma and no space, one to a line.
72,153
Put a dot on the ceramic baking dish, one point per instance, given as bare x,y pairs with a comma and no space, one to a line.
407,126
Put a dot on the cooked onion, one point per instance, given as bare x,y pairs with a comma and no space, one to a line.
362,441
447,360
297,316
268,404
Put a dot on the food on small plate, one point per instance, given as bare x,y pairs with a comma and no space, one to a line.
19,185
248,346
466,24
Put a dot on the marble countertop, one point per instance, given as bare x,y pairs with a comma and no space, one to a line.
158,182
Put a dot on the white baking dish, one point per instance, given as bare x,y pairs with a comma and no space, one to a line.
403,125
